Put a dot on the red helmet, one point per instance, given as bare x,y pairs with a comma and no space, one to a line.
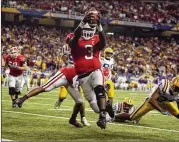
14,52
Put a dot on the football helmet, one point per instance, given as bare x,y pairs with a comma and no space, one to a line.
91,20
174,84
88,31
14,52
108,53
127,104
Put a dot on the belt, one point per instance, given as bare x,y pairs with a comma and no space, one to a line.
84,75
15,75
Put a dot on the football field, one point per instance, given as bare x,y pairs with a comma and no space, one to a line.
38,120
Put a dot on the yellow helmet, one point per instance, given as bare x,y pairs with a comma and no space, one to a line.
175,84
108,51
129,101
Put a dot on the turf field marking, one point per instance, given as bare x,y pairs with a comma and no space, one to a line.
66,108
49,116
5,140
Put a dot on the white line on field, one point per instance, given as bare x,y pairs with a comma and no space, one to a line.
49,116
66,108
5,140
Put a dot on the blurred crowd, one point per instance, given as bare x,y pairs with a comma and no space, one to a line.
129,10
42,47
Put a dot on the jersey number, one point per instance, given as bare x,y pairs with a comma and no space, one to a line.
13,63
89,49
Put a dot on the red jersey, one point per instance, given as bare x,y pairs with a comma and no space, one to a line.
69,73
86,55
18,61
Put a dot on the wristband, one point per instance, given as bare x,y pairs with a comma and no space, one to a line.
100,28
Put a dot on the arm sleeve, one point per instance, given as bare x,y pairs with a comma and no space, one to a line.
77,35
102,40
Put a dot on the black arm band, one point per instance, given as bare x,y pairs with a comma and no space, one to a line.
77,35
102,38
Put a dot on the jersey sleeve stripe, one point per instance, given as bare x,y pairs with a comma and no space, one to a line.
165,86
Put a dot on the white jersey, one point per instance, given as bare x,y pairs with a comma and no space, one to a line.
119,108
66,51
105,63
163,86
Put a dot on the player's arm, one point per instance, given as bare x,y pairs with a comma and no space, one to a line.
78,31
102,38
154,102
23,65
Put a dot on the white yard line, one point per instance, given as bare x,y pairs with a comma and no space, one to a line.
5,140
66,107
49,116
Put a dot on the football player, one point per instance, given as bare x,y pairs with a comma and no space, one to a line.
26,79
17,65
126,106
107,64
42,78
86,44
163,99
62,78
68,62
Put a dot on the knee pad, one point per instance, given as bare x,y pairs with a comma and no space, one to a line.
12,91
99,91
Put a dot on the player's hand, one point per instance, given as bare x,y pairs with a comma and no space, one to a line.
4,75
107,87
75,82
19,102
165,113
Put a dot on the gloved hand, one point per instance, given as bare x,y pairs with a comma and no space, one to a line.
165,113
75,82
107,87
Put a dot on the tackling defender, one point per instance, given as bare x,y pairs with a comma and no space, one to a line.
163,99
85,48
17,65
126,106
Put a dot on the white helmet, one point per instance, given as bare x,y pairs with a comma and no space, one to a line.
88,32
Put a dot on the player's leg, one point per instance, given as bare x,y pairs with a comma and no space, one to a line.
12,91
141,111
97,81
110,89
171,107
19,85
57,80
75,94
82,110
62,96
28,83
110,93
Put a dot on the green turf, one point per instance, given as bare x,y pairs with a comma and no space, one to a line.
37,120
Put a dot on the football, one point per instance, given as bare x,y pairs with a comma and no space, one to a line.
94,18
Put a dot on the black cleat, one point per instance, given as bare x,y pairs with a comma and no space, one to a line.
75,123
13,104
18,102
109,108
102,121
